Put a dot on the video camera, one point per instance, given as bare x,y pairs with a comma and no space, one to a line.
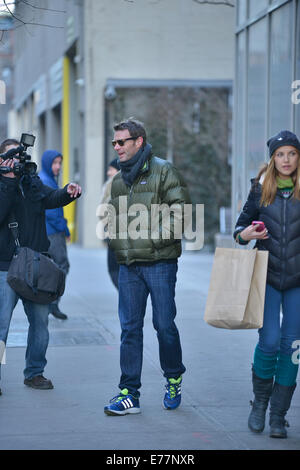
24,166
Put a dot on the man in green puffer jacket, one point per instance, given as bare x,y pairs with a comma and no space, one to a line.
147,248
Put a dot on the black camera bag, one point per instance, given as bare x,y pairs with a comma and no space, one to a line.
32,275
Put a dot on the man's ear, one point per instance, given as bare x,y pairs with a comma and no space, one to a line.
140,141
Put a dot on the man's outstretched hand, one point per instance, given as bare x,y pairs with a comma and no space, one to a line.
74,190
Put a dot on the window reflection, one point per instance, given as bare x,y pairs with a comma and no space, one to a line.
297,110
257,93
240,119
257,6
267,49
280,69
242,11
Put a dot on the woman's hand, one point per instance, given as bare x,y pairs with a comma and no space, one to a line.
251,233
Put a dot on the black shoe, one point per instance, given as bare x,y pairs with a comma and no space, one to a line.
262,389
39,382
57,313
279,405
0,391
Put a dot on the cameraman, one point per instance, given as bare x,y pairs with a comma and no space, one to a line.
29,211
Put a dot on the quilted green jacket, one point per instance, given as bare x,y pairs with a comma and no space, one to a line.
142,227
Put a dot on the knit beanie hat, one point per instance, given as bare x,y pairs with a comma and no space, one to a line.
281,139
115,164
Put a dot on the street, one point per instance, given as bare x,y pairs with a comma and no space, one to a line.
83,363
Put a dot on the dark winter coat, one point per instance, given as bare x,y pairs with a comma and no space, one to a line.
282,219
158,182
29,212
55,221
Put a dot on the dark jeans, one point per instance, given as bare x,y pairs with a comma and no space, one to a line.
276,335
38,335
113,267
136,282
278,339
59,253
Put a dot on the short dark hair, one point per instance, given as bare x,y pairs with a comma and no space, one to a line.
135,128
8,142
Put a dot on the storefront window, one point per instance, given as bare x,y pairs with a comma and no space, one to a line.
280,70
240,120
267,87
242,11
296,91
191,126
257,6
257,94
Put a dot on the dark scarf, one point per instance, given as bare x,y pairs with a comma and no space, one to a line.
31,187
131,168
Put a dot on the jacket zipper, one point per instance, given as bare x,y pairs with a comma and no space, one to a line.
130,192
283,251
129,197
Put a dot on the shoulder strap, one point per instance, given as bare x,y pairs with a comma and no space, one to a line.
13,226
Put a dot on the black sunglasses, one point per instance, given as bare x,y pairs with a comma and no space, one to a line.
121,142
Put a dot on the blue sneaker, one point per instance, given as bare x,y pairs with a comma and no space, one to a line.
123,404
172,397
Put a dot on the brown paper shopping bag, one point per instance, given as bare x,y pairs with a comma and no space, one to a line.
236,293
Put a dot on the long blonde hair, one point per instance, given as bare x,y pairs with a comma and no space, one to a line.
269,185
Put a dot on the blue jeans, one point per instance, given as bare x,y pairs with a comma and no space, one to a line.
275,350
38,334
273,336
58,251
136,282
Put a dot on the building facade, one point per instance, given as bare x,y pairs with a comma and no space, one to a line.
6,70
109,60
165,48
267,85
48,96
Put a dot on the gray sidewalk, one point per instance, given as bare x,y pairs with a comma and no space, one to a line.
83,363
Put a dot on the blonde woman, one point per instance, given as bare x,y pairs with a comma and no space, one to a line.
274,202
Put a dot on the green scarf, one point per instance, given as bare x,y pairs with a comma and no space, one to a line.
284,184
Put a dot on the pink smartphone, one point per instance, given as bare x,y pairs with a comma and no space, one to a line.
261,225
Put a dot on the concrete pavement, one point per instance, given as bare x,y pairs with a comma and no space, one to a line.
83,363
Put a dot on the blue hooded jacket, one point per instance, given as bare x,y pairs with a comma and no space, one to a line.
55,221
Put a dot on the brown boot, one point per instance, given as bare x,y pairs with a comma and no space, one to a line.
39,382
